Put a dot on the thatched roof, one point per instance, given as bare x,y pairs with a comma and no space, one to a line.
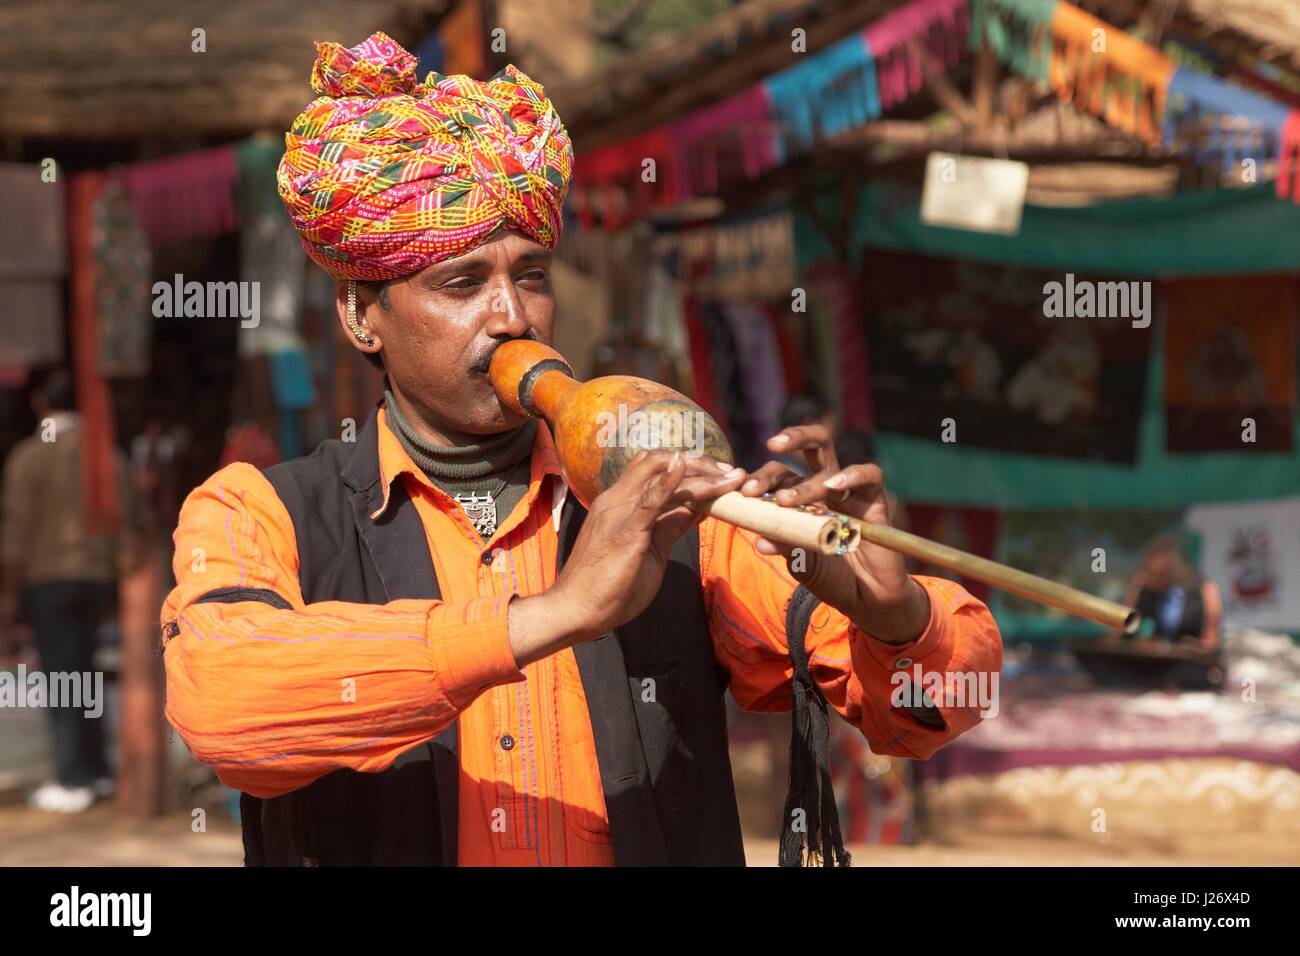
126,70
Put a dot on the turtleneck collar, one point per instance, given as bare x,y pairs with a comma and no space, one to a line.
493,454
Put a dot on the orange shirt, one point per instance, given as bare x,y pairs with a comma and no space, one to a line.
274,699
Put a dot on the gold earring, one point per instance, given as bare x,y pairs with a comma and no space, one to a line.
353,324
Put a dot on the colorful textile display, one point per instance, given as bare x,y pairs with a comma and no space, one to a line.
729,142
823,95
123,260
745,257
624,181
1288,167
191,196
1230,355
835,289
974,343
937,26
1106,72
1251,550
33,261
1019,32
1229,123
383,175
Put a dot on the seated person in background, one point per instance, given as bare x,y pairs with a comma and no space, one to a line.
1184,607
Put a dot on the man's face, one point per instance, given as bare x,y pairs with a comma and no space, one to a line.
442,324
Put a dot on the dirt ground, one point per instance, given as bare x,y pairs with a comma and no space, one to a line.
101,837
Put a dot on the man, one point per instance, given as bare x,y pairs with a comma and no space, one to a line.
64,578
416,647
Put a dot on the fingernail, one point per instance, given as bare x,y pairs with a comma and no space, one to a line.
675,460
734,473
780,439
835,481
750,485
724,465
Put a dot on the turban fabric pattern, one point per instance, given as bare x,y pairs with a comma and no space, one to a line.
383,175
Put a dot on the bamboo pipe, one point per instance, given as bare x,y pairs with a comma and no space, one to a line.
1052,593
601,424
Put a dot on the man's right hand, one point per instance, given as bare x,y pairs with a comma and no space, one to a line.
618,560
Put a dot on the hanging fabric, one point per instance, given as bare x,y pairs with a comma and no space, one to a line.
939,27
191,196
1106,72
123,261
725,143
759,367
829,92
1019,32
33,262
1288,166
833,283
1230,123
627,179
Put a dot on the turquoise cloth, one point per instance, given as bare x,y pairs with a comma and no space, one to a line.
826,93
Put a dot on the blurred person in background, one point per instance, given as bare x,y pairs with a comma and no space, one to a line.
1184,607
63,580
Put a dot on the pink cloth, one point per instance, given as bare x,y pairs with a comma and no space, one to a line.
1288,167
940,27
727,141
191,196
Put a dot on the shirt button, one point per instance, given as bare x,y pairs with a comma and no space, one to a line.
903,662
507,742
487,557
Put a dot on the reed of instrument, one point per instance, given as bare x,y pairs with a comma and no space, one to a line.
600,425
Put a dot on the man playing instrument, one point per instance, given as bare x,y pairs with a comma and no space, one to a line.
416,646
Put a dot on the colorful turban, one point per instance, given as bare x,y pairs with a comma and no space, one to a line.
383,175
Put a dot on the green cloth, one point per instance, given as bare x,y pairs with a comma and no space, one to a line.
1018,32
1223,232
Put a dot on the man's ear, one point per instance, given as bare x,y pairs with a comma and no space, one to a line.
367,307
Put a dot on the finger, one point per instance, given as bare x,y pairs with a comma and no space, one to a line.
852,490
770,476
709,486
814,441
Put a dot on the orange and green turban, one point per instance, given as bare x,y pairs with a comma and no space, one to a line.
383,175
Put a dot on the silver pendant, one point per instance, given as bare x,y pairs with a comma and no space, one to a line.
481,511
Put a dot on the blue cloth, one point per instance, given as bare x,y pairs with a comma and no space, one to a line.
827,93
1170,612
1194,95
291,381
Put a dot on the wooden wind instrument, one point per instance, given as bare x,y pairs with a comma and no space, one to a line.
600,425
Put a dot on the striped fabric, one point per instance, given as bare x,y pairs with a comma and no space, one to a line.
383,175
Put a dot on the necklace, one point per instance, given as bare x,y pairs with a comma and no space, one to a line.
481,508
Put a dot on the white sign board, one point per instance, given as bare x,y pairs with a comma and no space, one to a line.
1251,550
974,192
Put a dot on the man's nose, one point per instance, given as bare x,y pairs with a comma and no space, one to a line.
507,317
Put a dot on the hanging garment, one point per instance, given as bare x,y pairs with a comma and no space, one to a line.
33,261
271,255
1019,32
123,261
759,367
1288,166
626,179
1125,84
1229,123
191,196
938,27
728,142
827,93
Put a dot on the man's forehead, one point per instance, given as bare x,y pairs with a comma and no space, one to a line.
508,244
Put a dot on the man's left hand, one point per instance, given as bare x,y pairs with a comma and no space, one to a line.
871,586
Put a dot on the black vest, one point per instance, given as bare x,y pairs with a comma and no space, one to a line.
664,764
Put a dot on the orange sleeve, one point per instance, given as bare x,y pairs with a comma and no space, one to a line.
746,594
273,697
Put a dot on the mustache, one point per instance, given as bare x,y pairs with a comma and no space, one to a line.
482,364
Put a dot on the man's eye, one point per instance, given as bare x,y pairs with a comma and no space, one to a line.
534,274
465,283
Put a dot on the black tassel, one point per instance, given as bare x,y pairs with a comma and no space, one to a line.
810,830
